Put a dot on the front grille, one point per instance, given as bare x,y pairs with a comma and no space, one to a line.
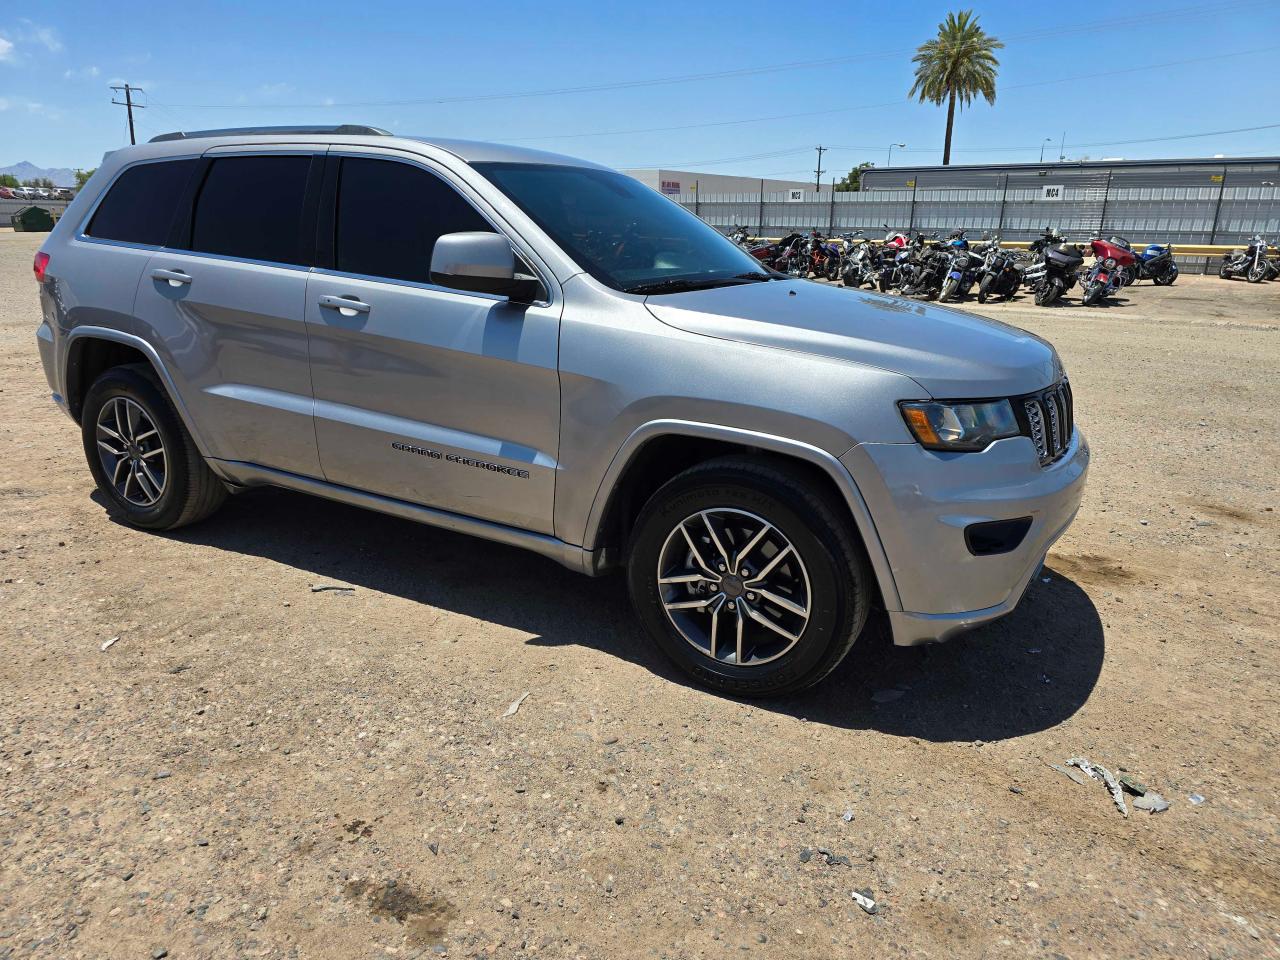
1049,419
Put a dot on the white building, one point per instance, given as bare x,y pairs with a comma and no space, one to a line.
676,183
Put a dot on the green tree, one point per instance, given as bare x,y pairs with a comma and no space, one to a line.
82,176
852,182
43,182
9,180
957,65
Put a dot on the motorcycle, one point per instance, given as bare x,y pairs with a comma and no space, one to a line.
962,270
1001,274
1155,263
1055,268
777,255
1251,263
821,258
741,237
1106,275
859,264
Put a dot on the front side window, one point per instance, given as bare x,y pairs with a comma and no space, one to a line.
389,216
623,233
251,207
140,206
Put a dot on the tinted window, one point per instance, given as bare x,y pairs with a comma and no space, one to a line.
624,233
390,215
140,205
251,207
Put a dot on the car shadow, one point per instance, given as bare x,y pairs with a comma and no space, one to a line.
1024,673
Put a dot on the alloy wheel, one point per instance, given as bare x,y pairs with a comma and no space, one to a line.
734,587
132,452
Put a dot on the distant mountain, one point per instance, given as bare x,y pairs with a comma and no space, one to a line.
24,171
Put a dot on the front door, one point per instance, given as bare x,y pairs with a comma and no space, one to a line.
429,395
228,306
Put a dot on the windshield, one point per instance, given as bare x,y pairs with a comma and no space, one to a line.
621,232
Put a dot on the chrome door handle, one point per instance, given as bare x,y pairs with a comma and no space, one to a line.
347,306
176,278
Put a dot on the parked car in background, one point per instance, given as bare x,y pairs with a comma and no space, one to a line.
6,193
547,353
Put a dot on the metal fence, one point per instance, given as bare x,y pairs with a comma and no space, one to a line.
1086,207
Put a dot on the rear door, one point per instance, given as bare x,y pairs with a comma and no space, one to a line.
227,298
434,396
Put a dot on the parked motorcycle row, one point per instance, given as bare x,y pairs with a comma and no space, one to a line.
950,269
1252,263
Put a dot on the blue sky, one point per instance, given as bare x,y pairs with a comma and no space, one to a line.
1191,67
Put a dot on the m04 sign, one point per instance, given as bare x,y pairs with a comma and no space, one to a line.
1051,192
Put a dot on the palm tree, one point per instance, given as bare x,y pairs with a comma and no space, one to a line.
958,64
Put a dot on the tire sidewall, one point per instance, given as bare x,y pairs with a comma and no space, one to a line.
827,599
129,383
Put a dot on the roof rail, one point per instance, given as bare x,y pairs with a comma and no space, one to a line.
345,129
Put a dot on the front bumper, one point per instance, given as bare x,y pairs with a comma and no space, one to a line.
922,501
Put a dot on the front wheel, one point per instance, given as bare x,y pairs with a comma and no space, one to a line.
1258,272
833,269
984,288
948,290
1048,292
798,266
747,579
141,455
1094,294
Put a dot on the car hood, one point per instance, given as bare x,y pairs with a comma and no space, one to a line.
950,353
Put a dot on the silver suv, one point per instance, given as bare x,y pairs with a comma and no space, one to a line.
544,352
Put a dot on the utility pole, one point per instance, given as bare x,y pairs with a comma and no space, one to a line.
817,174
129,105
1062,148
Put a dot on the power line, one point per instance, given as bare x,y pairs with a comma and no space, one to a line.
1054,33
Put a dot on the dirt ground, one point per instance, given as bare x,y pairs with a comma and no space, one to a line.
253,769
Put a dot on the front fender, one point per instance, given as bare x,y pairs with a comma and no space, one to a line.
784,446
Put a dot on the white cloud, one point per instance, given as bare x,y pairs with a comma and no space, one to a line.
275,89
84,73
45,36
6,50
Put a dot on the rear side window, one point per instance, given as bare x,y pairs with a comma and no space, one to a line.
251,207
140,205
390,215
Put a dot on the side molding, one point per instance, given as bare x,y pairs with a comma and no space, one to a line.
844,481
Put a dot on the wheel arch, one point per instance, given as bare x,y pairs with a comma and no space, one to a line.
660,449
93,350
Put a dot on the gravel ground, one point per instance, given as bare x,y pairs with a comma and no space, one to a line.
253,769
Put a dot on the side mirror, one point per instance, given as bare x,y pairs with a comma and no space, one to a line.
481,262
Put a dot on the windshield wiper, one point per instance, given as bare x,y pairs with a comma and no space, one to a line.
679,284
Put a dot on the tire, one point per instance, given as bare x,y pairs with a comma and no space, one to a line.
1048,292
833,269
1094,294
1166,279
1257,273
984,288
831,576
882,282
948,290
182,490
1224,270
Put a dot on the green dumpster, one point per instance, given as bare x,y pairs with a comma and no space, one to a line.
33,220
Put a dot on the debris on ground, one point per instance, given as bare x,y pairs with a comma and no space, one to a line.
515,704
863,899
848,816
107,644
1151,801
1069,772
1133,784
829,857
1098,772
886,696
1195,799
806,855
322,587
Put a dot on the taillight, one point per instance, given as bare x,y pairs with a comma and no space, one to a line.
41,266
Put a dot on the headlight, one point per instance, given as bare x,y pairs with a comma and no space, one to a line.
960,426
1109,263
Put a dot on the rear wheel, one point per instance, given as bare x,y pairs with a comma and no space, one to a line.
1166,279
747,579
141,455
1224,270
